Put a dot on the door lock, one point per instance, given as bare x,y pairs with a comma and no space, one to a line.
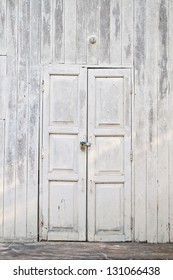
85,144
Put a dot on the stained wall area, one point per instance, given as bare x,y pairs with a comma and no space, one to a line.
130,33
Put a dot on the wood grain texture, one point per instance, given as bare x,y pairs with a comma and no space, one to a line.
85,251
163,203
81,17
104,54
3,28
2,86
170,121
58,31
151,115
63,173
22,119
115,32
2,144
70,31
46,32
93,16
68,25
38,33
140,121
109,165
33,119
1,178
127,32
10,128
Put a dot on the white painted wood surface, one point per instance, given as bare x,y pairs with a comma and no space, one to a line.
104,55
136,33
1,178
65,162
46,31
10,122
2,86
127,31
68,24
81,26
109,163
20,111
170,104
58,31
162,156
115,31
151,132
93,9
63,200
3,29
140,121
22,120
152,121
70,31
33,121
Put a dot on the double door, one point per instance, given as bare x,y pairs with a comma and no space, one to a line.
85,191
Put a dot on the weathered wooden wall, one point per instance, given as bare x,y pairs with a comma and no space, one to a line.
19,124
67,24
135,33
153,120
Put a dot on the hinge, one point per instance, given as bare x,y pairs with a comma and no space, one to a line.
131,155
42,153
42,86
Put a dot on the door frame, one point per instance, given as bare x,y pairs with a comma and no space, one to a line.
40,144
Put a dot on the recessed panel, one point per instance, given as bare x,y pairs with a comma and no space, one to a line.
109,101
63,100
62,205
63,153
109,208
109,155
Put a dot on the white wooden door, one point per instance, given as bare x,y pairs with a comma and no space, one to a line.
86,193
63,196
109,163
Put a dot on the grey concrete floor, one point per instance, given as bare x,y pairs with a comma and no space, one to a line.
85,251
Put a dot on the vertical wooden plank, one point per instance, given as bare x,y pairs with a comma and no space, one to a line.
104,56
170,64
2,117
2,86
127,32
70,31
81,31
3,27
10,130
163,205
33,124
93,15
46,31
151,132
22,117
115,31
58,31
1,178
140,120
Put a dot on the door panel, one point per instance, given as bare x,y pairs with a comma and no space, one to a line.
109,166
67,165
111,201
64,162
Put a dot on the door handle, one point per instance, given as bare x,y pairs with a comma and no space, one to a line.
85,144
